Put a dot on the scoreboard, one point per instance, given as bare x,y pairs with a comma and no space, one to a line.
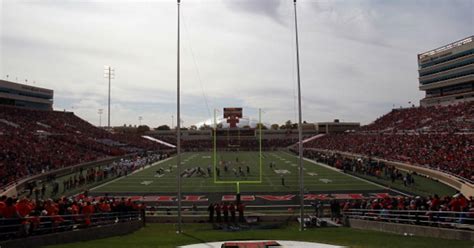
232,115
233,112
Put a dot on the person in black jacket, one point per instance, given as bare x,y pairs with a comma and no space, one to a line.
211,212
225,211
218,212
232,212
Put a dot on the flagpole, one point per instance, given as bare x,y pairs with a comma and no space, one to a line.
178,130
300,128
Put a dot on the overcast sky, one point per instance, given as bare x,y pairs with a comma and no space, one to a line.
358,58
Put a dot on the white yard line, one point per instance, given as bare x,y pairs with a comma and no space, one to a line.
136,171
361,179
268,180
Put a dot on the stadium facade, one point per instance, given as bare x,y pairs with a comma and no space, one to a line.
26,96
245,121
446,74
336,126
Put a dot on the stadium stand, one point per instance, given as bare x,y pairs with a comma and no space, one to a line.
452,118
448,211
35,141
23,217
441,138
243,144
456,203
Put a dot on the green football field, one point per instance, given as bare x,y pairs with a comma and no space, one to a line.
164,236
317,177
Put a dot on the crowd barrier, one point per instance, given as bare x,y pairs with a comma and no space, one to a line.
40,225
445,219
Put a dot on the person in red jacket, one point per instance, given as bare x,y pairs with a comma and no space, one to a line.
24,207
10,211
241,208
87,211
53,211
455,204
225,212
104,206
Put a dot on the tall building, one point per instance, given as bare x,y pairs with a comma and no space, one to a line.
26,96
446,74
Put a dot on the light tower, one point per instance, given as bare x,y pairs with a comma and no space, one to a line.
100,111
109,73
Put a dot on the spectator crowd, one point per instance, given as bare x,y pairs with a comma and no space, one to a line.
362,166
23,217
446,211
452,118
81,178
456,203
441,138
35,141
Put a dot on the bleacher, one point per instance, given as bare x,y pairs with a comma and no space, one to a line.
34,141
453,118
441,138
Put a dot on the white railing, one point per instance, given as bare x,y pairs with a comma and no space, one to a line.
38,225
415,217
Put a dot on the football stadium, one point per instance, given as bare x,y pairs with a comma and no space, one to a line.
243,164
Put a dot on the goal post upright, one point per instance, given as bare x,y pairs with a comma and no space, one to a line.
260,155
260,141
215,146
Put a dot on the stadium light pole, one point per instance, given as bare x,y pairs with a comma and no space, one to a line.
109,74
140,118
178,131
300,128
100,111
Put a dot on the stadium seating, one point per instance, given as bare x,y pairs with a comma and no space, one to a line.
441,138
20,218
33,141
453,118
456,203
246,144
447,212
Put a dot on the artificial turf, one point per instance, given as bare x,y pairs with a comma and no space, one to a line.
317,178
164,235
423,186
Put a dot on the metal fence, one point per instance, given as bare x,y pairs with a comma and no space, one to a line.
446,219
39,225
202,210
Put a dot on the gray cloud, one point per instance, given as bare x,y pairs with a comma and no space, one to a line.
267,8
51,46
358,58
